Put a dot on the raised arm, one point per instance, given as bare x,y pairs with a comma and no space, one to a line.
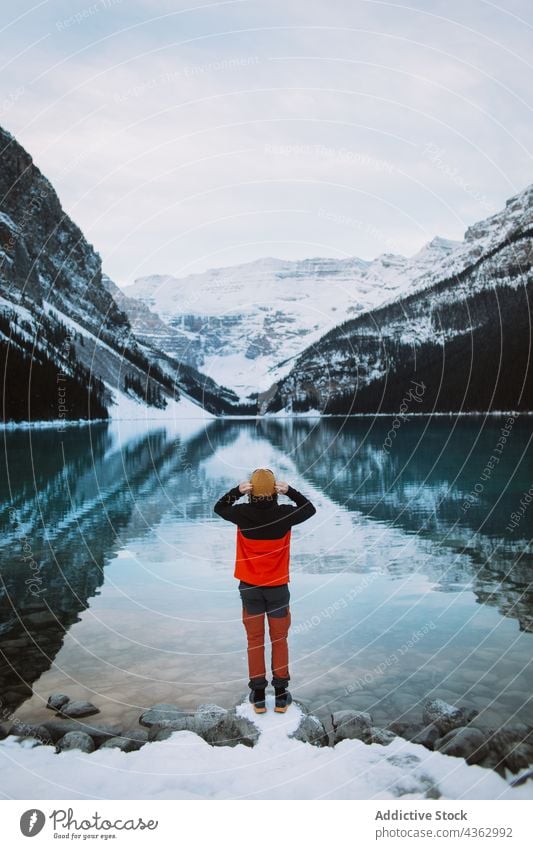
303,510
224,506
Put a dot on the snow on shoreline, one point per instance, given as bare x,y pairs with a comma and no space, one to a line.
186,767
124,413
126,408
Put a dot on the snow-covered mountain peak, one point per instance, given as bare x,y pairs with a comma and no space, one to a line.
516,215
522,200
439,243
239,323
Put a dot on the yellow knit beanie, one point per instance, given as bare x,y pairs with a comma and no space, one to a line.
262,481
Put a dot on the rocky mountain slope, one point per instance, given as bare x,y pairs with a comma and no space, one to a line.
325,335
246,326
67,350
242,325
461,341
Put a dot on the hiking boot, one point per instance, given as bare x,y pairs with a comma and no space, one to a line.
257,698
283,699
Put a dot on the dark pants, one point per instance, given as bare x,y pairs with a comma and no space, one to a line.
274,601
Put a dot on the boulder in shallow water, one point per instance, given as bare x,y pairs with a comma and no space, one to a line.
78,709
445,716
57,701
76,740
468,743
352,725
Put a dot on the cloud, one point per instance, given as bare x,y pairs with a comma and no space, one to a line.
181,139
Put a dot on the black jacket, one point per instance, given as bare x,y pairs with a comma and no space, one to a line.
264,518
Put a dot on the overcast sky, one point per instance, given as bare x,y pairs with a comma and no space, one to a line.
186,135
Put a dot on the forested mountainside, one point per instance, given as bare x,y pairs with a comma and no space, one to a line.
460,344
66,349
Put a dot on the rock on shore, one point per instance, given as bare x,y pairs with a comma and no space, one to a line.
444,728
279,766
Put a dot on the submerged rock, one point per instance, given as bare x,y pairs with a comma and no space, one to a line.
78,709
445,716
57,701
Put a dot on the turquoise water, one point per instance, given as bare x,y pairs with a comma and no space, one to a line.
410,581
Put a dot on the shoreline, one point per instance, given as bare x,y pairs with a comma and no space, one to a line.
444,728
61,424
213,753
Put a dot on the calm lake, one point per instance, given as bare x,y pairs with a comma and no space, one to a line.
413,579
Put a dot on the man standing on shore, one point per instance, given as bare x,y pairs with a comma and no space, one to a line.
262,566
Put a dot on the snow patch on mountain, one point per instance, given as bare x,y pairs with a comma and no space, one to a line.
127,408
243,325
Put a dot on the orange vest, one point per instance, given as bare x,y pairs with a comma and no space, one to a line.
263,562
